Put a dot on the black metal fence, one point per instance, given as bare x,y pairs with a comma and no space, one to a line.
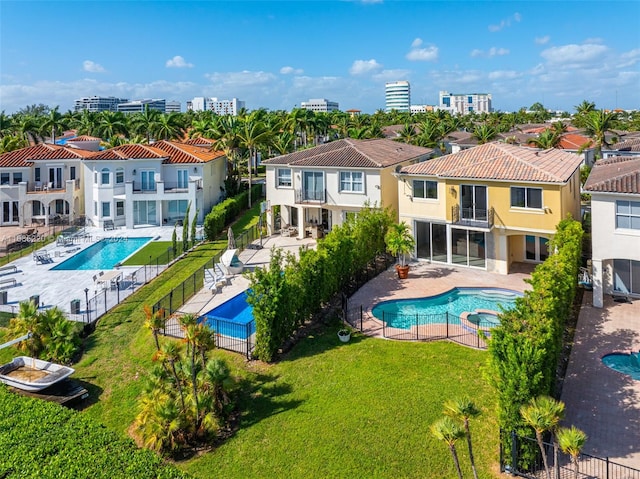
238,340
466,330
517,463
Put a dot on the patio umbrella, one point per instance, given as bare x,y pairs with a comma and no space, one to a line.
231,241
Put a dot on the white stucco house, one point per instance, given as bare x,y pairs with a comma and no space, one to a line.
320,187
614,185
136,185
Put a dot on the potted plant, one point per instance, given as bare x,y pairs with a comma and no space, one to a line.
400,243
344,334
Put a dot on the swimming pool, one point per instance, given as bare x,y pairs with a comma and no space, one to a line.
445,307
625,363
232,318
105,254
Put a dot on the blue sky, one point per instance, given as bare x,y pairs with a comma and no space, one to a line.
277,54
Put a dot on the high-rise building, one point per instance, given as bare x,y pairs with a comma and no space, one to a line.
138,106
464,103
219,107
397,96
320,105
98,103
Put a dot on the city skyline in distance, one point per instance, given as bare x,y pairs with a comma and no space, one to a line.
276,55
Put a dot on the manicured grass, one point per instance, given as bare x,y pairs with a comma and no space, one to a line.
362,409
153,250
4,318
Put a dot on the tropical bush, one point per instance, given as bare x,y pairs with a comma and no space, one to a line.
225,212
52,336
524,351
44,440
186,399
290,291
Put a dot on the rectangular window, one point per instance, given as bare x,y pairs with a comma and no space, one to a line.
4,178
425,189
351,181
17,177
106,209
469,99
183,179
119,177
105,177
95,208
119,208
628,214
522,197
72,172
284,177
95,177
37,175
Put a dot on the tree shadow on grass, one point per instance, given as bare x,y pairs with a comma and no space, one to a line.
263,396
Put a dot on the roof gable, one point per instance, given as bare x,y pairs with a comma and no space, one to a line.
25,157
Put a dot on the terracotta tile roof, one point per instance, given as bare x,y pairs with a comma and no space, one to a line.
574,141
632,144
351,153
501,161
618,174
199,141
170,152
25,157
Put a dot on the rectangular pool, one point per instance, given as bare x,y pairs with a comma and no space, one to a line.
232,318
105,254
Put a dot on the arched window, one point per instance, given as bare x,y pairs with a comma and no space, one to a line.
105,176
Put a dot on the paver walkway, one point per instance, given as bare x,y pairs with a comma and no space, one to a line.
603,403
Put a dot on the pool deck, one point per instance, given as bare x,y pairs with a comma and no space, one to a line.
427,279
602,402
58,288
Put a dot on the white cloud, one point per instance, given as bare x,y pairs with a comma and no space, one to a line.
362,67
492,52
241,79
416,43
428,54
572,55
92,67
593,40
178,62
542,40
504,75
391,75
290,70
629,58
516,17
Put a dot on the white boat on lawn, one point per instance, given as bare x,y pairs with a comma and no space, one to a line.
31,374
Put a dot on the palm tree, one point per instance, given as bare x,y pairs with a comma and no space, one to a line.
464,409
169,126
62,337
111,124
252,135
543,413
545,140
86,123
571,441
12,143
155,322
598,123
585,107
484,134
54,122
448,431
6,125
146,123
28,126
407,134
27,321
170,352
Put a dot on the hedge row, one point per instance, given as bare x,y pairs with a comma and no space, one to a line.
225,212
524,351
287,293
42,440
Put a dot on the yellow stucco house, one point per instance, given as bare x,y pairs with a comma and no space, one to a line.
489,206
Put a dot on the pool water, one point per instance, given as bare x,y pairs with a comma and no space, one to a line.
484,319
105,254
626,363
232,318
448,306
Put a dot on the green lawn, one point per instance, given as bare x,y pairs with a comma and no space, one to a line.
358,410
152,250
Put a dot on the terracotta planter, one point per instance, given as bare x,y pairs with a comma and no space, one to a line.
403,271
